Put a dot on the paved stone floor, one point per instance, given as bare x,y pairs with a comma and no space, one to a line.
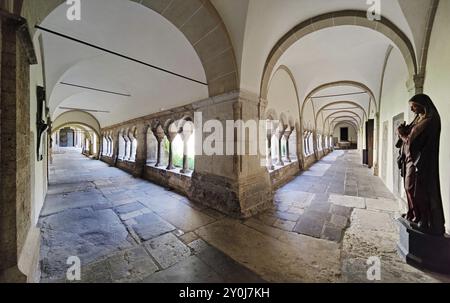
324,226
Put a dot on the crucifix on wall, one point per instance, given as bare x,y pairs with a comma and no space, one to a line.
41,120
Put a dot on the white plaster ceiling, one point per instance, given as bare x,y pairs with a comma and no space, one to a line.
267,21
336,54
131,29
320,100
344,53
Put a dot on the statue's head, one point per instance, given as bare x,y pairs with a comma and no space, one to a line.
421,104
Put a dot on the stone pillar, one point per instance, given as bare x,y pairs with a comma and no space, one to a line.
159,135
280,155
115,140
186,135
280,148
287,135
269,156
237,185
126,156
170,136
141,151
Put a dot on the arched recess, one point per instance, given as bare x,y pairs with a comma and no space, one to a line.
330,116
286,69
347,118
341,83
77,117
198,20
346,17
342,102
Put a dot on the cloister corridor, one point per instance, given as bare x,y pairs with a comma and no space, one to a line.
224,141
324,226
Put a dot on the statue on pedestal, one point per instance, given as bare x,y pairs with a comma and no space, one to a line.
419,164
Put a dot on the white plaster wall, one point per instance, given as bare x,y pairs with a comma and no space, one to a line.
308,116
437,87
282,96
394,101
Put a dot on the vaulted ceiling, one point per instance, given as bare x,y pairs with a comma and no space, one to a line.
127,28
344,53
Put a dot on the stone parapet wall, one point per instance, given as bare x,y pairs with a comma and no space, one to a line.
284,175
172,179
129,167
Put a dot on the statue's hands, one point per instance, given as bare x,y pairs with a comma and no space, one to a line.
402,130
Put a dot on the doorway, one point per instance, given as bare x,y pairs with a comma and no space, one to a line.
344,134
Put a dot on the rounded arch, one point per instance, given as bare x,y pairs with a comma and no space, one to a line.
345,117
77,117
81,126
184,120
169,126
342,112
339,18
345,123
350,83
270,114
284,120
210,39
291,76
342,102
296,90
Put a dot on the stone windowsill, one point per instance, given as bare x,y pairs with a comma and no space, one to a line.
176,171
285,165
127,161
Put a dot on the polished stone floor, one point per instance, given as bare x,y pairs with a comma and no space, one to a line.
324,226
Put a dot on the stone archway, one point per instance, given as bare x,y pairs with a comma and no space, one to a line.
330,116
341,83
198,20
342,102
346,17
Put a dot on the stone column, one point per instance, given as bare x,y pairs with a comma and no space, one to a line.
159,135
186,135
115,140
170,136
280,138
269,156
126,155
287,135
141,151
237,185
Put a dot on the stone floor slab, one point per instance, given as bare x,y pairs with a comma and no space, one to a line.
167,250
190,270
348,201
149,226
383,205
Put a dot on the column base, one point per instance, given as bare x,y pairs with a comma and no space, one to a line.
422,250
241,199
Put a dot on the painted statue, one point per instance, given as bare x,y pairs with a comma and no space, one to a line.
419,163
